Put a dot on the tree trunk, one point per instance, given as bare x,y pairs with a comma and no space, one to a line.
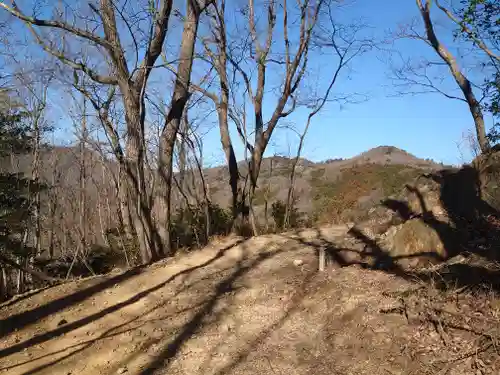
124,207
137,202
460,78
172,123
3,284
291,189
83,181
234,174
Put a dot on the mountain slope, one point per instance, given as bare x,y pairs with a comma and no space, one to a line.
315,181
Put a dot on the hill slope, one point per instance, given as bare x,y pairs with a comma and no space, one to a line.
239,307
336,174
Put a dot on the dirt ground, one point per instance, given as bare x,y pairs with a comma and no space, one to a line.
256,306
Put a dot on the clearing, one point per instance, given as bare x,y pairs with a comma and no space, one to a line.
256,306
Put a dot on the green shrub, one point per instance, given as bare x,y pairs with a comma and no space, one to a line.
278,212
189,225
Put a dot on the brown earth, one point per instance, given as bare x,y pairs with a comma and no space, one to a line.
256,306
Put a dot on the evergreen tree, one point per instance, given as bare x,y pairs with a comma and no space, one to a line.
15,189
14,202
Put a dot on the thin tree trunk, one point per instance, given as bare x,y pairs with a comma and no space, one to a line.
36,199
53,206
38,275
3,284
291,188
83,178
124,208
268,193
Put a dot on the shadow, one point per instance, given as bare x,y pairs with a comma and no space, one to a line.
161,362
468,227
370,256
30,294
27,318
109,333
289,311
242,267
38,339
470,221
400,207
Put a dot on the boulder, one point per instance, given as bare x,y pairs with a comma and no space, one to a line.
413,241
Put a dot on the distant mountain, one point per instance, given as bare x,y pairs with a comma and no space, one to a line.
274,176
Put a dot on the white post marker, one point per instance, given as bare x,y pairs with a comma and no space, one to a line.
321,259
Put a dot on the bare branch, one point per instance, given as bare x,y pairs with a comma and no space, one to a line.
156,43
104,79
56,24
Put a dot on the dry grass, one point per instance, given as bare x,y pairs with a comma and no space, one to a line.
457,328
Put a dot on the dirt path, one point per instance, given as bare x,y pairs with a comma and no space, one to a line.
242,309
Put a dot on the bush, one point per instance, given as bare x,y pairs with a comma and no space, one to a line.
188,229
278,211
189,225
97,260
127,247
264,194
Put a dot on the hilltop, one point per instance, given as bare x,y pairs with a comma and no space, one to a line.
370,168
410,288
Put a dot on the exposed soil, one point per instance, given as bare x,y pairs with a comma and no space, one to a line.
255,306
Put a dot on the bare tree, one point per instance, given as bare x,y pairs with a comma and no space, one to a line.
474,35
105,30
232,67
420,74
347,44
180,96
462,81
132,87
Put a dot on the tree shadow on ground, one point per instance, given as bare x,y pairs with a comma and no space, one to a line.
197,322
16,322
27,318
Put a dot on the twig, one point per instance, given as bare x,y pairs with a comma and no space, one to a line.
466,355
271,366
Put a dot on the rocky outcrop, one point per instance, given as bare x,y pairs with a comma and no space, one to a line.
436,217
412,242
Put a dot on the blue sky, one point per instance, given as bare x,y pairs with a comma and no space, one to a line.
428,126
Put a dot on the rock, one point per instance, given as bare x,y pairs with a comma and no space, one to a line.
298,262
122,370
412,240
116,271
